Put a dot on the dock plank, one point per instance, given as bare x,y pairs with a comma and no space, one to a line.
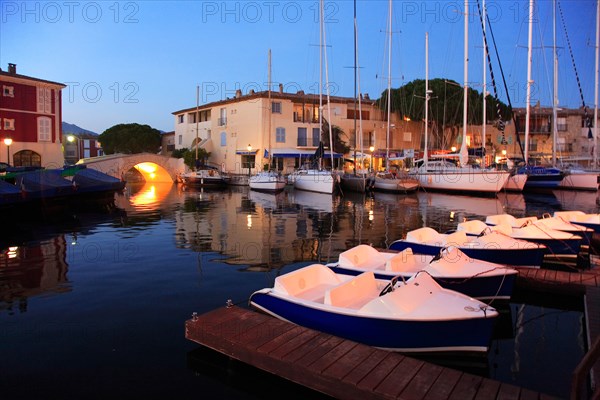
444,384
335,366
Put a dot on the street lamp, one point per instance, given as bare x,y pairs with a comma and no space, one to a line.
453,148
8,141
249,150
72,139
372,149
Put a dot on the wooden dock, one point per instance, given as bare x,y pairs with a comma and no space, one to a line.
335,366
560,282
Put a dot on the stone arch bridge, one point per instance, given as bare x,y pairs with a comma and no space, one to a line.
154,167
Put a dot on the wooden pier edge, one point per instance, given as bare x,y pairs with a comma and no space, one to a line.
334,366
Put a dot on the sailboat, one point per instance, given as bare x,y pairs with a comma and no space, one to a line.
317,179
445,175
203,176
386,181
269,180
358,180
579,178
538,177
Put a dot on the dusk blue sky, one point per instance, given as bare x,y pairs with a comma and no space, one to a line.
139,61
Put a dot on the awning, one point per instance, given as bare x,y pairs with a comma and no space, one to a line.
246,152
293,153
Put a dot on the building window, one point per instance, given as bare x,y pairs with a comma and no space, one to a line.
280,135
302,137
27,158
223,139
248,160
180,119
276,107
8,91
180,140
316,137
8,124
222,117
192,118
44,104
44,129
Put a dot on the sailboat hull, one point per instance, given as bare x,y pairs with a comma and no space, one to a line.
462,180
319,181
580,181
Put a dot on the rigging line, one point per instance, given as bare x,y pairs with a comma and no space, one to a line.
588,122
515,120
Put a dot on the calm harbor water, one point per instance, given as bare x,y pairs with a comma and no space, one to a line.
93,302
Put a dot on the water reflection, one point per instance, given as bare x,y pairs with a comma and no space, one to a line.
165,252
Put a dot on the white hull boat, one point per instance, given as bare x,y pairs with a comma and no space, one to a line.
315,180
267,181
452,269
416,316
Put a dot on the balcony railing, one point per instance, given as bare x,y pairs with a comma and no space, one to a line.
222,121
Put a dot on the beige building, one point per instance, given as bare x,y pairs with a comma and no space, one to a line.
238,130
573,144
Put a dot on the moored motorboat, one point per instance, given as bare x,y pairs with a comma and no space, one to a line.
452,269
492,246
88,180
388,182
205,177
44,184
419,316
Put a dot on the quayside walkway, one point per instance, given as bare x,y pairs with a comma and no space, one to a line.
335,366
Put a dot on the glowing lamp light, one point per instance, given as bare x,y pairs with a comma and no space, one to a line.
8,141
249,221
407,119
70,138
372,149
371,215
453,148
504,153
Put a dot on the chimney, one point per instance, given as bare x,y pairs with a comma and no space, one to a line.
281,88
367,96
300,93
238,93
12,68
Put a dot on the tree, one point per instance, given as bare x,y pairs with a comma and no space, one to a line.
130,139
445,107
189,156
339,146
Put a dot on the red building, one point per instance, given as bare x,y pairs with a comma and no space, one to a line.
30,120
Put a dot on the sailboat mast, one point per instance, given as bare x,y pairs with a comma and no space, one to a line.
389,87
270,111
464,157
529,81
327,85
197,118
484,90
596,85
355,92
320,73
554,86
425,157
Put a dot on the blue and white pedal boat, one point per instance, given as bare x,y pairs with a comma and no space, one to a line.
492,246
559,238
416,316
451,268
591,221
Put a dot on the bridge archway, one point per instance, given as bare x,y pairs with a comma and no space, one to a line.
153,167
